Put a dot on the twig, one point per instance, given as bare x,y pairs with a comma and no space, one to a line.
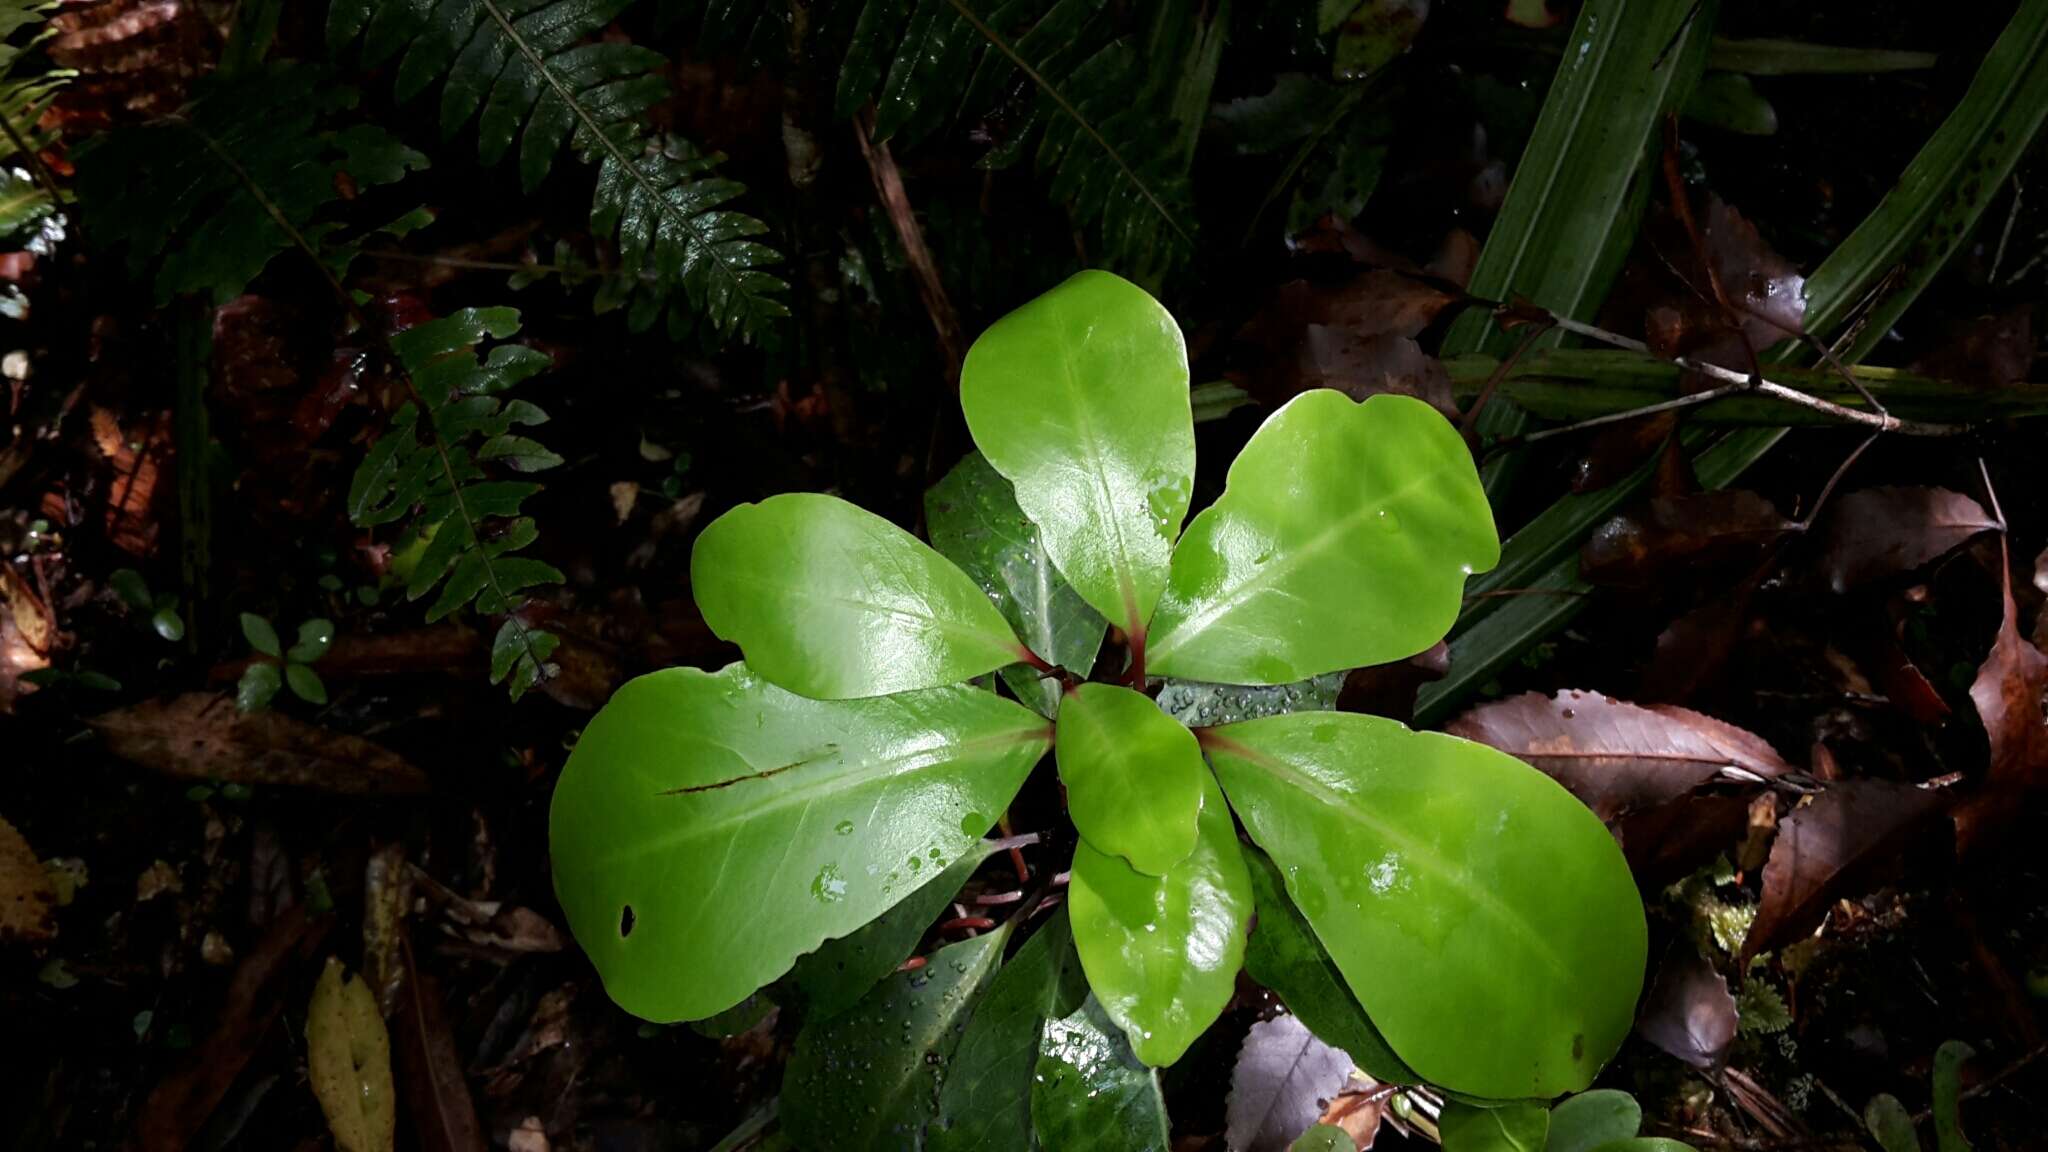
1828,489
896,202
1468,424
1989,1082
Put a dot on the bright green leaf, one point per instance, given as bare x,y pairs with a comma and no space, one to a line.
1516,1126
1284,956
1591,1119
1162,952
316,636
793,820
986,1103
305,683
1091,1093
833,602
1134,776
1482,915
1324,1138
974,521
868,1080
258,686
261,636
840,972
1342,539
1080,398
168,624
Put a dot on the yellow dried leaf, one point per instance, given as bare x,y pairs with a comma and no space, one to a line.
348,1055
27,901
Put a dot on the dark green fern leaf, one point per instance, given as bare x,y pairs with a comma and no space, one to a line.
756,32
521,69
428,470
243,173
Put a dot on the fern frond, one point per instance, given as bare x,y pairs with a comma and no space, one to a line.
428,469
521,69
241,174
754,31
23,100
1104,124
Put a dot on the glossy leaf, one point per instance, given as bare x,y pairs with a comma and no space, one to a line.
1324,1138
1284,955
1591,1119
973,519
1483,917
1162,952
710,828
1134,776
258,686
1199,704
261,636
1283,1077
986,1103
833,602
1342,539
841,971
1091,1093
1080,398
1516,1126
868,1080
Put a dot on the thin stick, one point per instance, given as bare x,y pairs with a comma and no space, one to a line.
1828,489
895,199
1469,423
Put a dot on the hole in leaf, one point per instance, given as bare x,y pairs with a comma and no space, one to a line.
625,921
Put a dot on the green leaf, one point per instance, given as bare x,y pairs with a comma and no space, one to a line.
1798,58
974,521
1948,1084
795,819
261,636
869,1080
1483,916
1647,1144
168,624
519,655
1198,704
133,591
257,687
1080,399
1890,1124
1162,952
841,971
1324,1138
1579,188
305,683
1134,776
1342,539
1516,1126
315,637
986,1103
1091,1093
1284,956
1591,1119
739,1018
833,602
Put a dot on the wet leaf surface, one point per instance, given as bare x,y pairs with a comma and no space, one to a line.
1091,1093
985,1105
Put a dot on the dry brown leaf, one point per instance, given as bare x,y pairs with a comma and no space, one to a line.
2009,691
1705,531
28,901
32,619
200,736
436,1087
1878,532
1994,351
1834,847
1688,1011
1614,756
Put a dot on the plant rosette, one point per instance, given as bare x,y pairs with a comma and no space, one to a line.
1475,923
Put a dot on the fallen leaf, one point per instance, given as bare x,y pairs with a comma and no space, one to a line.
1877,532
348,1060
1358,336
387,897
201,736
1689,1012
28,901
1994,351
32,619
2009,691
1619,757
1763,287
179,1105
1834,847
1693,650
1284,1079
1701,533
137,456
436,1088
1615,451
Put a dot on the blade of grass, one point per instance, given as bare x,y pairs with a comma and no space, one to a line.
1798,58
1856,294
1579,189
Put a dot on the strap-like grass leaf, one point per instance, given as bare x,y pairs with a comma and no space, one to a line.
1483,916
1341,539
710,828
831,601
1134,776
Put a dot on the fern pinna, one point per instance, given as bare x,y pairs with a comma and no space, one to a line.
521,69
424,467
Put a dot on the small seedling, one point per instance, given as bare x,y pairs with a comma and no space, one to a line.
283,667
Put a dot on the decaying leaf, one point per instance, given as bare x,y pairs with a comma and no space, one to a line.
1689,1012
2009,692
1880,531
387,896
348,1059
201,736
1284,1079
1848,835
1994,351
1615,756
1710,530
1763,287
28,902
436,1089
1358,337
